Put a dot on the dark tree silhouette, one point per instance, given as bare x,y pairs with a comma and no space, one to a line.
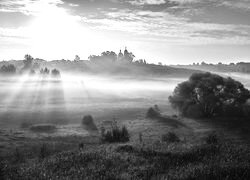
140,61
128,56
45,71
28,61
209,95
8,69
107,56
77,58
55,73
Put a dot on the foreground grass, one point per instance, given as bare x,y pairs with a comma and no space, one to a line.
136,161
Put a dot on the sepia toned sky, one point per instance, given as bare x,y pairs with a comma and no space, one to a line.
170,31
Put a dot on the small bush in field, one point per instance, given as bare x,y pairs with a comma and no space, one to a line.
153,112
170,137
115,134
211,139
88,123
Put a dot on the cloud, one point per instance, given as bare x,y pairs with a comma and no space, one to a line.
239,4
186,1
28,7
170,28
170,21
150,2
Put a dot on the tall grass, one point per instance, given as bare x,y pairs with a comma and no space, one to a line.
115,134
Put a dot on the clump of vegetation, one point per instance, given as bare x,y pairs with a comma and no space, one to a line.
115,134
170,137
88,123
27,62
55,73
210,95
43,128
44,71
8,69
153,112
212,138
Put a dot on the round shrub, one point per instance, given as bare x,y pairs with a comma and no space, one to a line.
88,123
153,113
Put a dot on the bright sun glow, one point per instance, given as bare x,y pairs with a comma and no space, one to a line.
55,31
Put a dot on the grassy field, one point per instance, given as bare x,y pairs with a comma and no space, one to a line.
69,151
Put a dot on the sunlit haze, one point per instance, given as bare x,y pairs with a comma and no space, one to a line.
173,32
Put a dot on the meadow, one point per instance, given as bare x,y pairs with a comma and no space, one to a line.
70,151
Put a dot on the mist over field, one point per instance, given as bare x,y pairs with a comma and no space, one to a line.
41,100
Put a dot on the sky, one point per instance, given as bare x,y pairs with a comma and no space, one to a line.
167,31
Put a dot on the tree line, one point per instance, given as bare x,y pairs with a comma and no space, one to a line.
28,67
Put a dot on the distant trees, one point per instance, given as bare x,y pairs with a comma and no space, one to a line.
45,71
111,56
55,73
140,61
128,56
77,58
209,95
8,69
28,61
107,56
203,63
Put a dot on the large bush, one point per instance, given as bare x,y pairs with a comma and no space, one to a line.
209,95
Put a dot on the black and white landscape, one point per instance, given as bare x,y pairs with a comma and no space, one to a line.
133,89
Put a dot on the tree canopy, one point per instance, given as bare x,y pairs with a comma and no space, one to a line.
209,95
55,73
107,56
8,69
28,60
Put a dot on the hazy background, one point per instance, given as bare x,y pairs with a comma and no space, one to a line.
67,100
43,100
